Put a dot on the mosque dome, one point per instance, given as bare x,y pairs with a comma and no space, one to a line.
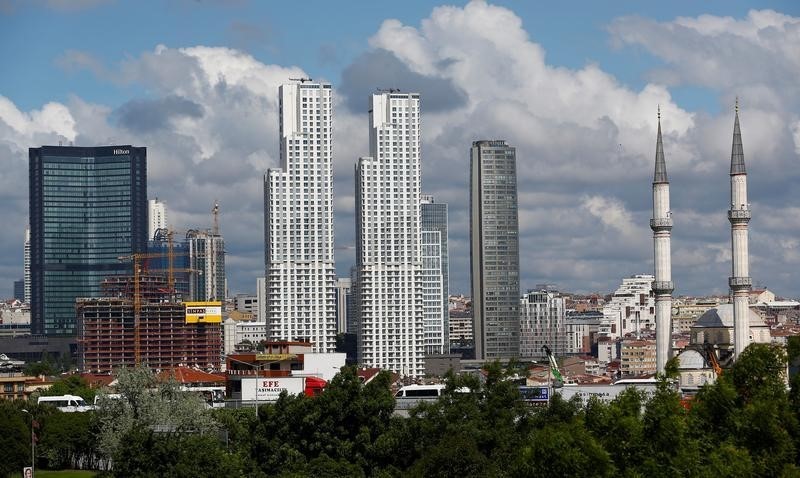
722,317
691,359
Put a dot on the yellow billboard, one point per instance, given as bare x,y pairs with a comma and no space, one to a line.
203,312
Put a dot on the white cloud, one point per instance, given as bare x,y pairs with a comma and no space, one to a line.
585,141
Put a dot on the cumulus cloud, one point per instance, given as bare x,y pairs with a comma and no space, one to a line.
585,141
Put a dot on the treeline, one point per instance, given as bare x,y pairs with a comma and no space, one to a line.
746,424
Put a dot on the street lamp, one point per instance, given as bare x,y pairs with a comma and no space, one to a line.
33,443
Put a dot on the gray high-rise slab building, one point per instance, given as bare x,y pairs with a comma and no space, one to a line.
494,249
88,208
435,275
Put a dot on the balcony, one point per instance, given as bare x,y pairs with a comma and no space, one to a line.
739,282
739,215
663,287
661,223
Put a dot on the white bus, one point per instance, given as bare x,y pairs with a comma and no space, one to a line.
420,391
66,403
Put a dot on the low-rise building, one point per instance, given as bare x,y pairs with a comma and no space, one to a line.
638,357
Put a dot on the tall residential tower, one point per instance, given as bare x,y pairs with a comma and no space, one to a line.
88,207
739,216
389,295
661,224
298,221
494,249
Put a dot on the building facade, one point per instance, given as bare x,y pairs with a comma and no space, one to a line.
436,275
494,249
389,294
88,207
206,252
344,304
298,221
542,322
631,308
156,217
26,264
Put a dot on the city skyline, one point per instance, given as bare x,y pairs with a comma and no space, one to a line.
583,126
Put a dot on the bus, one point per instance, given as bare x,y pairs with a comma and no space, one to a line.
420,391
66,403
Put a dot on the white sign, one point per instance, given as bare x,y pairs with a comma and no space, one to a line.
268,389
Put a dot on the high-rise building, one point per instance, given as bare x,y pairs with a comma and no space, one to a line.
26,264
542,322
88,207
739,217
158,245
494,249
168,337
298,221
435,275
388,238
207,262
156,217
19,289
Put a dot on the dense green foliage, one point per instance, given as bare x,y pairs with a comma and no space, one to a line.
746,424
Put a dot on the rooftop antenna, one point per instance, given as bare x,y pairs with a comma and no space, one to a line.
301,80
737,105
215,212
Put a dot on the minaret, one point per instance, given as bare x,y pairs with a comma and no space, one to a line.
739,216
661,224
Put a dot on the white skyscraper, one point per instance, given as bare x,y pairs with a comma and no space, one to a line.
27,265
298,221
156,217
389,294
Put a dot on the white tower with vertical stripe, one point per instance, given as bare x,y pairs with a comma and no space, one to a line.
389,292
298,221
739,216
661,224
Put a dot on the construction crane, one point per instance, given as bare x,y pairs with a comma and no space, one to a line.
553,367
301,80
711,356
136,259
215,212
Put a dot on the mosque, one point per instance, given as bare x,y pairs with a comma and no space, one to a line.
721,334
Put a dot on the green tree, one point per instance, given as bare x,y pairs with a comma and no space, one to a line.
15,438
146,404
69,440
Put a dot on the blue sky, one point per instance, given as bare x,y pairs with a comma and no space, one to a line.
322,37
574,85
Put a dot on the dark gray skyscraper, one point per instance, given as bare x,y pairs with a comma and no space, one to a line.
88,207
494,249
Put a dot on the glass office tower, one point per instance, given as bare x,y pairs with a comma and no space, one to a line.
494,249
88,208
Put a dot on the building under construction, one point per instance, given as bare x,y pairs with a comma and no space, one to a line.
108,329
